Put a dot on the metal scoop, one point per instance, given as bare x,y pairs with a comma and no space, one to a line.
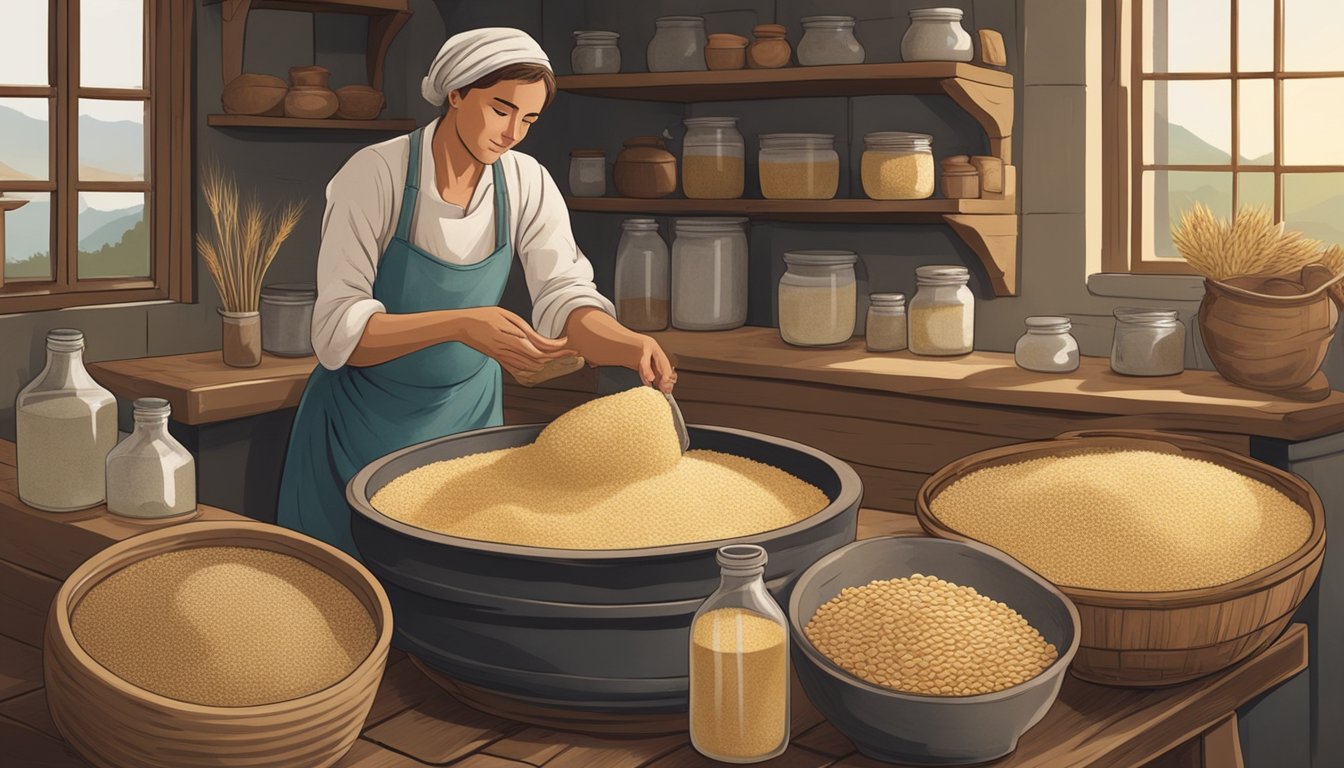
679,423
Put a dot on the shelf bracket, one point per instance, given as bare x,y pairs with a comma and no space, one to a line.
235,29
994,240
992,107
382,29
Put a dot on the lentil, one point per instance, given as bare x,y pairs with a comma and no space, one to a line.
740,684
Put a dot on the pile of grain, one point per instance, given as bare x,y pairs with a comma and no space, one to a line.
897,175
712,177
1139,521
739,684
606,475
799,181
948,329
928,636
817,315
224,626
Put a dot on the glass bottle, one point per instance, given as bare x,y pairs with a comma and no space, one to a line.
150,474
1147,342
942,313
818,298
642,276
66,424
739,665
713,159
709,274
587,173
829,40
678,44
885,330
1047,346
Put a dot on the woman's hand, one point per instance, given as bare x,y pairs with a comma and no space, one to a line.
499,333
603,341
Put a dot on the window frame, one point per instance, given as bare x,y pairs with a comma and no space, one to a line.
167,187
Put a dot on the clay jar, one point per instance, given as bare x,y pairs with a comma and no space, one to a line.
252,94
726,51
645,169
309,76
769,50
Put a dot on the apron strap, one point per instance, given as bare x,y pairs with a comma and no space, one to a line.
501,207
411,191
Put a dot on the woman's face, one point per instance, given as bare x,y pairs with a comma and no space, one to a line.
492,120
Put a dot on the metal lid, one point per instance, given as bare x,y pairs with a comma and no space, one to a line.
741,557
886,299
152,406
1145,316
824,21
679,21
712,224
587,153
942,274
642,225
1049,323
289,293
899,139
595,34
822,258
65,334
710,122
936,14
797,140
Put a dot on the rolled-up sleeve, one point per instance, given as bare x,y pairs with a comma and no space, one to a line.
355,228
559,276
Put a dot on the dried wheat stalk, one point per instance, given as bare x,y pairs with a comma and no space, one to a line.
1251,245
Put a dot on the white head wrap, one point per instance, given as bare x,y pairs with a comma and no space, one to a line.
469,56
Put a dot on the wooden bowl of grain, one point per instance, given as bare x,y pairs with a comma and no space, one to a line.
216,644
1226,587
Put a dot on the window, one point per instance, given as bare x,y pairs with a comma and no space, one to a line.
95,119
1224,102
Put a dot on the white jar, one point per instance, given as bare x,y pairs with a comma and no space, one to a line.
713,159
709,274
678,44
829,40
818,297
150,474
886,324
798,166
1147,342
1047,346
942,313
642,276
595,53
587,173
936,34
897,165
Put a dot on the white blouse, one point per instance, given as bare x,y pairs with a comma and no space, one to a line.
363,202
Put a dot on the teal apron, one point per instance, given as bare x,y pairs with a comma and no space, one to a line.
350,416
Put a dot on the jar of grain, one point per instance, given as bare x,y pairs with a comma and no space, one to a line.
829,40
1148,342
587,173
678,44
770,49
936,34
739,664
817,298
799,166
897,165
886,325
1047,346
150,474
942,313
712,159
595,52
709,274
642,276
66,424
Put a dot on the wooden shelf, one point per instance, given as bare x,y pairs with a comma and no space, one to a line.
367,7
330,124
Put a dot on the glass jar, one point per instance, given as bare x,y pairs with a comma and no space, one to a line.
818,296
799,166
713,165
1147,342
1047,346
678,44
936,34
739,664
642,276
829,40
66,424
150,474
886,326
595,53
709,274
587,173
897,165
942,313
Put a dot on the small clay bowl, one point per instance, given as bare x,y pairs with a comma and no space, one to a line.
359,102
312,75
310,101
254,95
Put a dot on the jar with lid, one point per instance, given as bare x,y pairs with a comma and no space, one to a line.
942,313
1148,342
770,49
726,51
1047,346
66,424
595,52
150,474
799,166
644,168
897,165
818,296
678,44
885,330
587,173
739,664
642,276
709,274
829,40
936,34
960,178
713,165
286,311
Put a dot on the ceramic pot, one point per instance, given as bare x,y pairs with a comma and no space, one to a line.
311,101
242,338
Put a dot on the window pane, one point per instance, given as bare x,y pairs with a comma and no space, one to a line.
113,235
1313,204
1255,190
28,238
1312,30
1169,194
1255,35
111,140
1189,122
1187,36
111,43
23,38
1313,111
1256,124
27,135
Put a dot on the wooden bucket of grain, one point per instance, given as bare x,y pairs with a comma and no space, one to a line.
115,723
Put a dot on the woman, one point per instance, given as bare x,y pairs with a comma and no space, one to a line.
417,241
